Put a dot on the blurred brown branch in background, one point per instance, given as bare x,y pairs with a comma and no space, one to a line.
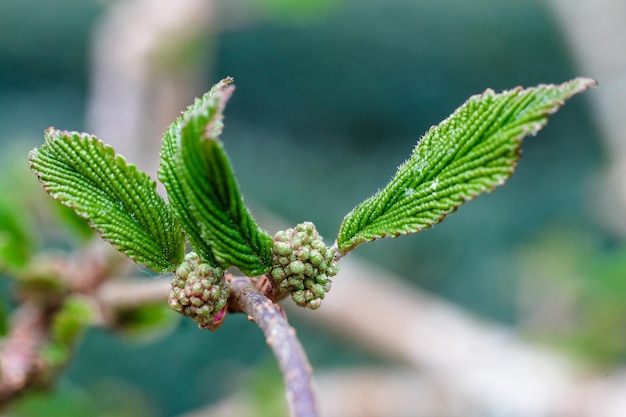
148,58
20,365
22,360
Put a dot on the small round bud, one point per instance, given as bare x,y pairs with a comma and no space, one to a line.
199,291
302,265
316,258
282,248
296,267
279,274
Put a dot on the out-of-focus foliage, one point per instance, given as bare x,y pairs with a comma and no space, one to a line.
294,11
146,323
17,240
106,399
4,318
573,294
76,225
15,243
33,219
69,323
75,314
265,391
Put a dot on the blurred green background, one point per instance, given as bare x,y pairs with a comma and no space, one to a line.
331,97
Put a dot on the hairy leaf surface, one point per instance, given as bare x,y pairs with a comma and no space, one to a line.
471,152
202,188
119,201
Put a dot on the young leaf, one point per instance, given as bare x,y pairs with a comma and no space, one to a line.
203,191
473,151
119,201
169,174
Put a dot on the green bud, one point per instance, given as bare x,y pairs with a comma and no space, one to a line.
298,297
204,310
302,265
316,258
282,248
199,291
318,290
309,270
278,274
204,270
295,281
296,267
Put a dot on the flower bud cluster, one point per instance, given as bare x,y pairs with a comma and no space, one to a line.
303,265
199,291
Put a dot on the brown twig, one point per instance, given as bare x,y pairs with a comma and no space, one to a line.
281,338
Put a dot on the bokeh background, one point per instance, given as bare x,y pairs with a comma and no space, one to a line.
331,97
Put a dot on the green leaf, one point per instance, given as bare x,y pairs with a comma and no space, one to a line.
119,201
471,152
202,189
170,175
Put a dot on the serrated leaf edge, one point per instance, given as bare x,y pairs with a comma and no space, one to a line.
531,128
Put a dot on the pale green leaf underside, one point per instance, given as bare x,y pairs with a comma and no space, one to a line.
202,189
471,152
119,201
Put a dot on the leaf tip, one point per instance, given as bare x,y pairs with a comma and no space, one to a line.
225,81
50,131
586,82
